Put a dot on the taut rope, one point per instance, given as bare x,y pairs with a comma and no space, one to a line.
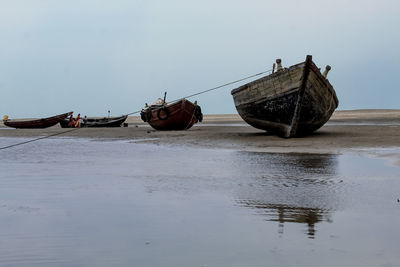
211,89
43,137
201,92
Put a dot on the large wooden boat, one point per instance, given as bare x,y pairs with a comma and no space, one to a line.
290,102
98,122
36,123
179,115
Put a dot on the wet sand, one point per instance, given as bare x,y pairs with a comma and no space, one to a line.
346,130
99,197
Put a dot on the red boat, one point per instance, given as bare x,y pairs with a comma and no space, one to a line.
179,115
36,123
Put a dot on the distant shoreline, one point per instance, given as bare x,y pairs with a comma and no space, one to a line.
378,115
338,115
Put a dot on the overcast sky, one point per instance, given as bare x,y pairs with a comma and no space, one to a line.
93,56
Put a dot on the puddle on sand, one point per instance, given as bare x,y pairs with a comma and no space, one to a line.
116,203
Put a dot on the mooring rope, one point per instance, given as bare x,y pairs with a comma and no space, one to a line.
192,95
43,137
211,89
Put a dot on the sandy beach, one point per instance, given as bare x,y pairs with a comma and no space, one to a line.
346,130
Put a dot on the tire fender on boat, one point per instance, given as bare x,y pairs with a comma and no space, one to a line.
166,111
198,114
145,115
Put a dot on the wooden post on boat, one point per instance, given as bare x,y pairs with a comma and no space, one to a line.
327,69
278,62
165,96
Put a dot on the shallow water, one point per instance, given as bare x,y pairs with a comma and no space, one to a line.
81,202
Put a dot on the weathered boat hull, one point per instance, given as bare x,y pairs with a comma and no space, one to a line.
99,122
181,115
37,123
292,102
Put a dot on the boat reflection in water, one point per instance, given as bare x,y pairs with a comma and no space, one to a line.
296,188
288,214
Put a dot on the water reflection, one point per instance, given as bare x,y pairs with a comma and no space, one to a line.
288,214
292,188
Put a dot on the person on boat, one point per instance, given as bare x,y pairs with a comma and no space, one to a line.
78,121
71,122
84,120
